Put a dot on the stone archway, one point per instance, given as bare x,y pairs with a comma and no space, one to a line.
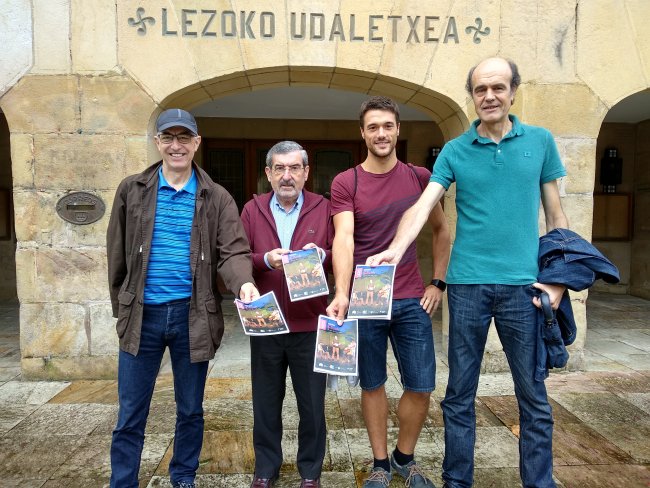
448,115
622,193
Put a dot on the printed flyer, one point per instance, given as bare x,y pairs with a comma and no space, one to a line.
336,347
305,275
372,292
262,316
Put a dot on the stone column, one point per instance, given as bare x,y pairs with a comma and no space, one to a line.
69,133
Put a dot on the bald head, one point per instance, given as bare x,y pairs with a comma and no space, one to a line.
493,87
490,65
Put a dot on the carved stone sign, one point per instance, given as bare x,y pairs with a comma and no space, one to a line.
308,26
80,208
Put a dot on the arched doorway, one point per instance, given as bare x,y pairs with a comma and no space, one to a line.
621,225
239,129
239,124
617,314
242,115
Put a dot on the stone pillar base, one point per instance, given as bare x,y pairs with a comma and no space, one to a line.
71,368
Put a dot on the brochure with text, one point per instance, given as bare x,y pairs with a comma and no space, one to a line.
262,316
305,275
372,292
336,347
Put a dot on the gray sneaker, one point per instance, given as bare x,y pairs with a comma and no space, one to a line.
379,478
353,381
413,476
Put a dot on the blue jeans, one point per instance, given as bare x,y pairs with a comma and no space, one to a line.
162,326
411,336
471,308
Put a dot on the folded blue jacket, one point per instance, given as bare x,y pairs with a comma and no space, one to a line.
566,259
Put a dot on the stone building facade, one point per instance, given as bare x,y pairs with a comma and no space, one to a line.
82,82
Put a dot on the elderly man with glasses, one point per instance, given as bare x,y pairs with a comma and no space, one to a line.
171,229
285,219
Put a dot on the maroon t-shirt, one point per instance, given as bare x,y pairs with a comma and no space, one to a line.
378,204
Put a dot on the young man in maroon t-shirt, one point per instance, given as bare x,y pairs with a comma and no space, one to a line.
367,204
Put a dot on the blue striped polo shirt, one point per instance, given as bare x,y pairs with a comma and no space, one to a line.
169,276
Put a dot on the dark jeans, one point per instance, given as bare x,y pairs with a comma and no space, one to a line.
162,326
471,308
270,358
411,337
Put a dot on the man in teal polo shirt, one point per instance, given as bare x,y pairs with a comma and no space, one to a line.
502,168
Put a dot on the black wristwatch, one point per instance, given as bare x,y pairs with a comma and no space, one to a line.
441,285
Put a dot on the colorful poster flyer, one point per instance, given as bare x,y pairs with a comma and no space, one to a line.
336,347
262,316
305,275
372,292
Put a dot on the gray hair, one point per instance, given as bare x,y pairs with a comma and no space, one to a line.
285,147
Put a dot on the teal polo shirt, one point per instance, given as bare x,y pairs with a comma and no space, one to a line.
498,191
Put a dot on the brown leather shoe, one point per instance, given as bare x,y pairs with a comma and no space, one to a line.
310,483
263,482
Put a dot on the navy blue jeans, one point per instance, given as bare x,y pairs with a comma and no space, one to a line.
162,326
411,337
471,308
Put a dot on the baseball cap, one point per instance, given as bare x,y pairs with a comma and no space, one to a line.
176,117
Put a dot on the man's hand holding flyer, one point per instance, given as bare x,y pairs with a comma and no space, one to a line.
262,316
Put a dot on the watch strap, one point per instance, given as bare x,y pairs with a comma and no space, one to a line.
441,285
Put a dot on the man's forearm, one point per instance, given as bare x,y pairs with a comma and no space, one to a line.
342,263
440,248
415,217
559,221
552,203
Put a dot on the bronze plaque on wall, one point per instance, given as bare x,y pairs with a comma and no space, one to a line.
80,208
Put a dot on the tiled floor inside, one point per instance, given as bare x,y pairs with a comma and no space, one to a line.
57,434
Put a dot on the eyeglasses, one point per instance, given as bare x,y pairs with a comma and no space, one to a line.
184,138
294,169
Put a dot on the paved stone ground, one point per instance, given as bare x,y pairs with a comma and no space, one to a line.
57,434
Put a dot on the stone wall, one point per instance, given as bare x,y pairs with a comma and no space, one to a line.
69,133
83,86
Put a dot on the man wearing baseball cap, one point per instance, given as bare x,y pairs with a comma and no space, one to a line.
170,230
